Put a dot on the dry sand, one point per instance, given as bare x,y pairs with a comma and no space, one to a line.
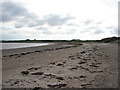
91,65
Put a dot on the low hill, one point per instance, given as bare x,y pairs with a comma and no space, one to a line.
111,40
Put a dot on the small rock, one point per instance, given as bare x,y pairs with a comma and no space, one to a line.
71,56
60,78
64,62
25,72
23,53
37,73
53,63
57,85
94,65
81,62
82,76
82,52
59,64
11,55
85,85
73,68
33,68
36,88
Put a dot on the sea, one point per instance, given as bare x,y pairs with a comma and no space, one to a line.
20,45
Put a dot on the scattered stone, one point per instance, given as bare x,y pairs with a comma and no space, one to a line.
96,71
94,65
86,85
84,68
37,88
33,68
82,76
28,52
70,77
59,64
64,62
11,55
71,56
60,78
73,68
4,56
37,51
37,73
49,74
25,72
82,52
53,63
18,56
16,82
86,58
81,62
57,85
23,53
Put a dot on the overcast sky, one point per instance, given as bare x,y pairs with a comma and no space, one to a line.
59,19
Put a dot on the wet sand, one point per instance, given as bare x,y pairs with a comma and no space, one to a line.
61,66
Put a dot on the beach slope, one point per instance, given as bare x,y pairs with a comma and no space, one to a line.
64,65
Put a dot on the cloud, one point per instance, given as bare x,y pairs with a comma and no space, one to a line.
18,25
72,24
98,32
88,21
12,11
47,32
41,28
51,20
36,23
113,29
5,28
55,20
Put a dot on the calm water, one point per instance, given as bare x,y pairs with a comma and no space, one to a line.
20,45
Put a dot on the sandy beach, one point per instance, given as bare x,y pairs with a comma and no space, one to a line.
63,65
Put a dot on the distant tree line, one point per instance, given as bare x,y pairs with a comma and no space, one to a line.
105,40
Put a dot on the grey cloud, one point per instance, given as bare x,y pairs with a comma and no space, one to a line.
47,32
36,23
51,20
110,27
59,27
98,32
54,20
12,11
18,25
5,28
41,28
71,24
114,29
88,21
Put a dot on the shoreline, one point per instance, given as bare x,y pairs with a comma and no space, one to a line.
34,48
63,65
